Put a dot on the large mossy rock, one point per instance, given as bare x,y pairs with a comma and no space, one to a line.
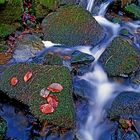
125,105
120,58
43,7
72,25
11,11
29,92
134,10
6,29
10,15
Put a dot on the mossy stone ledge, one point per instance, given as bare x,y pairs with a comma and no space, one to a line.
29,92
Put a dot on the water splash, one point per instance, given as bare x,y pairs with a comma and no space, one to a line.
49,44
101,94
103,8
90,5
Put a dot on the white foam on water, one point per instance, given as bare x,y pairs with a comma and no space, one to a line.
49,44
102,94
90,5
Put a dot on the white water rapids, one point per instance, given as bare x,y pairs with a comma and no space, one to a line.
103,93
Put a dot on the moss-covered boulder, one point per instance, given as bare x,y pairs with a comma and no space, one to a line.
40,8
11,11
29,92
10,15
134,10
72,25
2,1
43,7
3,127
120,58
125,105
6,29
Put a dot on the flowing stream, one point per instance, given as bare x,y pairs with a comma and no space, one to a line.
102,90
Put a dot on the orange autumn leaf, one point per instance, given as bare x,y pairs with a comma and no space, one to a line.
14,81
46,108
52,100
55,87
28,76
66,57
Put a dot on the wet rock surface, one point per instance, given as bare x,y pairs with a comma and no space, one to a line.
123,10
66,27
125,105
136,78
27,47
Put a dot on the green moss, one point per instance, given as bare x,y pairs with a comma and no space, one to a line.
2,1
53,59
81,58
133,9
29,93
51,4
6,29
124,32
40,9
11,11
72,25
116,20
3,46
120,58
3,127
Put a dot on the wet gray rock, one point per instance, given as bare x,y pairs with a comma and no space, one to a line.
27,47
81,58
125,105
122,135
81,62
82,88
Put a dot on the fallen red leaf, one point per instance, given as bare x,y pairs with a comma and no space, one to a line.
28,76
66,57
46,108
55,87
52,100
14,81
44,93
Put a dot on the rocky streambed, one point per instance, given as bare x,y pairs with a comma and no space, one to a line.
69,70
